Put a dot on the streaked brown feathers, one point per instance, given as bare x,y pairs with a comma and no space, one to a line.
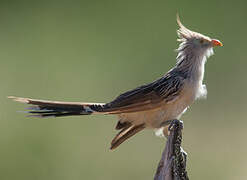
148,96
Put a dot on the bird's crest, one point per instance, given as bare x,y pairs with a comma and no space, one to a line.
186,34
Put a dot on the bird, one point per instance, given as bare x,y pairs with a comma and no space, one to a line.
149,106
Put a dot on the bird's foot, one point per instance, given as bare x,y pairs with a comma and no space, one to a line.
166,123
175,123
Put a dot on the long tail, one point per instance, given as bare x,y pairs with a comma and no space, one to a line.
43,108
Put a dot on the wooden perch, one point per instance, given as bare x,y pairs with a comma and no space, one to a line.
172,165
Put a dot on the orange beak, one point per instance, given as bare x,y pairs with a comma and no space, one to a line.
216,42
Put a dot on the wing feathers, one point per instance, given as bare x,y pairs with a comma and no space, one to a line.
148,96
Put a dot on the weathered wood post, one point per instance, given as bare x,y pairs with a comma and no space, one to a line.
172,165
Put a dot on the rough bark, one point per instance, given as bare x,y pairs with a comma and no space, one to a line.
172,165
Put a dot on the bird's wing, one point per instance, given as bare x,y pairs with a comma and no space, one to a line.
147,96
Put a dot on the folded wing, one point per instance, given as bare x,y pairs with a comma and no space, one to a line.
147,96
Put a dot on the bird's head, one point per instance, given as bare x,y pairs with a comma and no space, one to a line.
195,42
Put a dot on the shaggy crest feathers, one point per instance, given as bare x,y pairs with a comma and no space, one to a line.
188,56
185,34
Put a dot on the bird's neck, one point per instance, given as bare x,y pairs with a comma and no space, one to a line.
193,67
192,63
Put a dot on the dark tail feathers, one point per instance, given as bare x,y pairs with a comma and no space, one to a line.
43,108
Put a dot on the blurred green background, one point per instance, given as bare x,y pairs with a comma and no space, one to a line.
94,50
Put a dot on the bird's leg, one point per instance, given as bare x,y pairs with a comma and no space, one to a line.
171,123
166,123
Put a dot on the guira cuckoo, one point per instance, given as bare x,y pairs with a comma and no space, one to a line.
150,105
